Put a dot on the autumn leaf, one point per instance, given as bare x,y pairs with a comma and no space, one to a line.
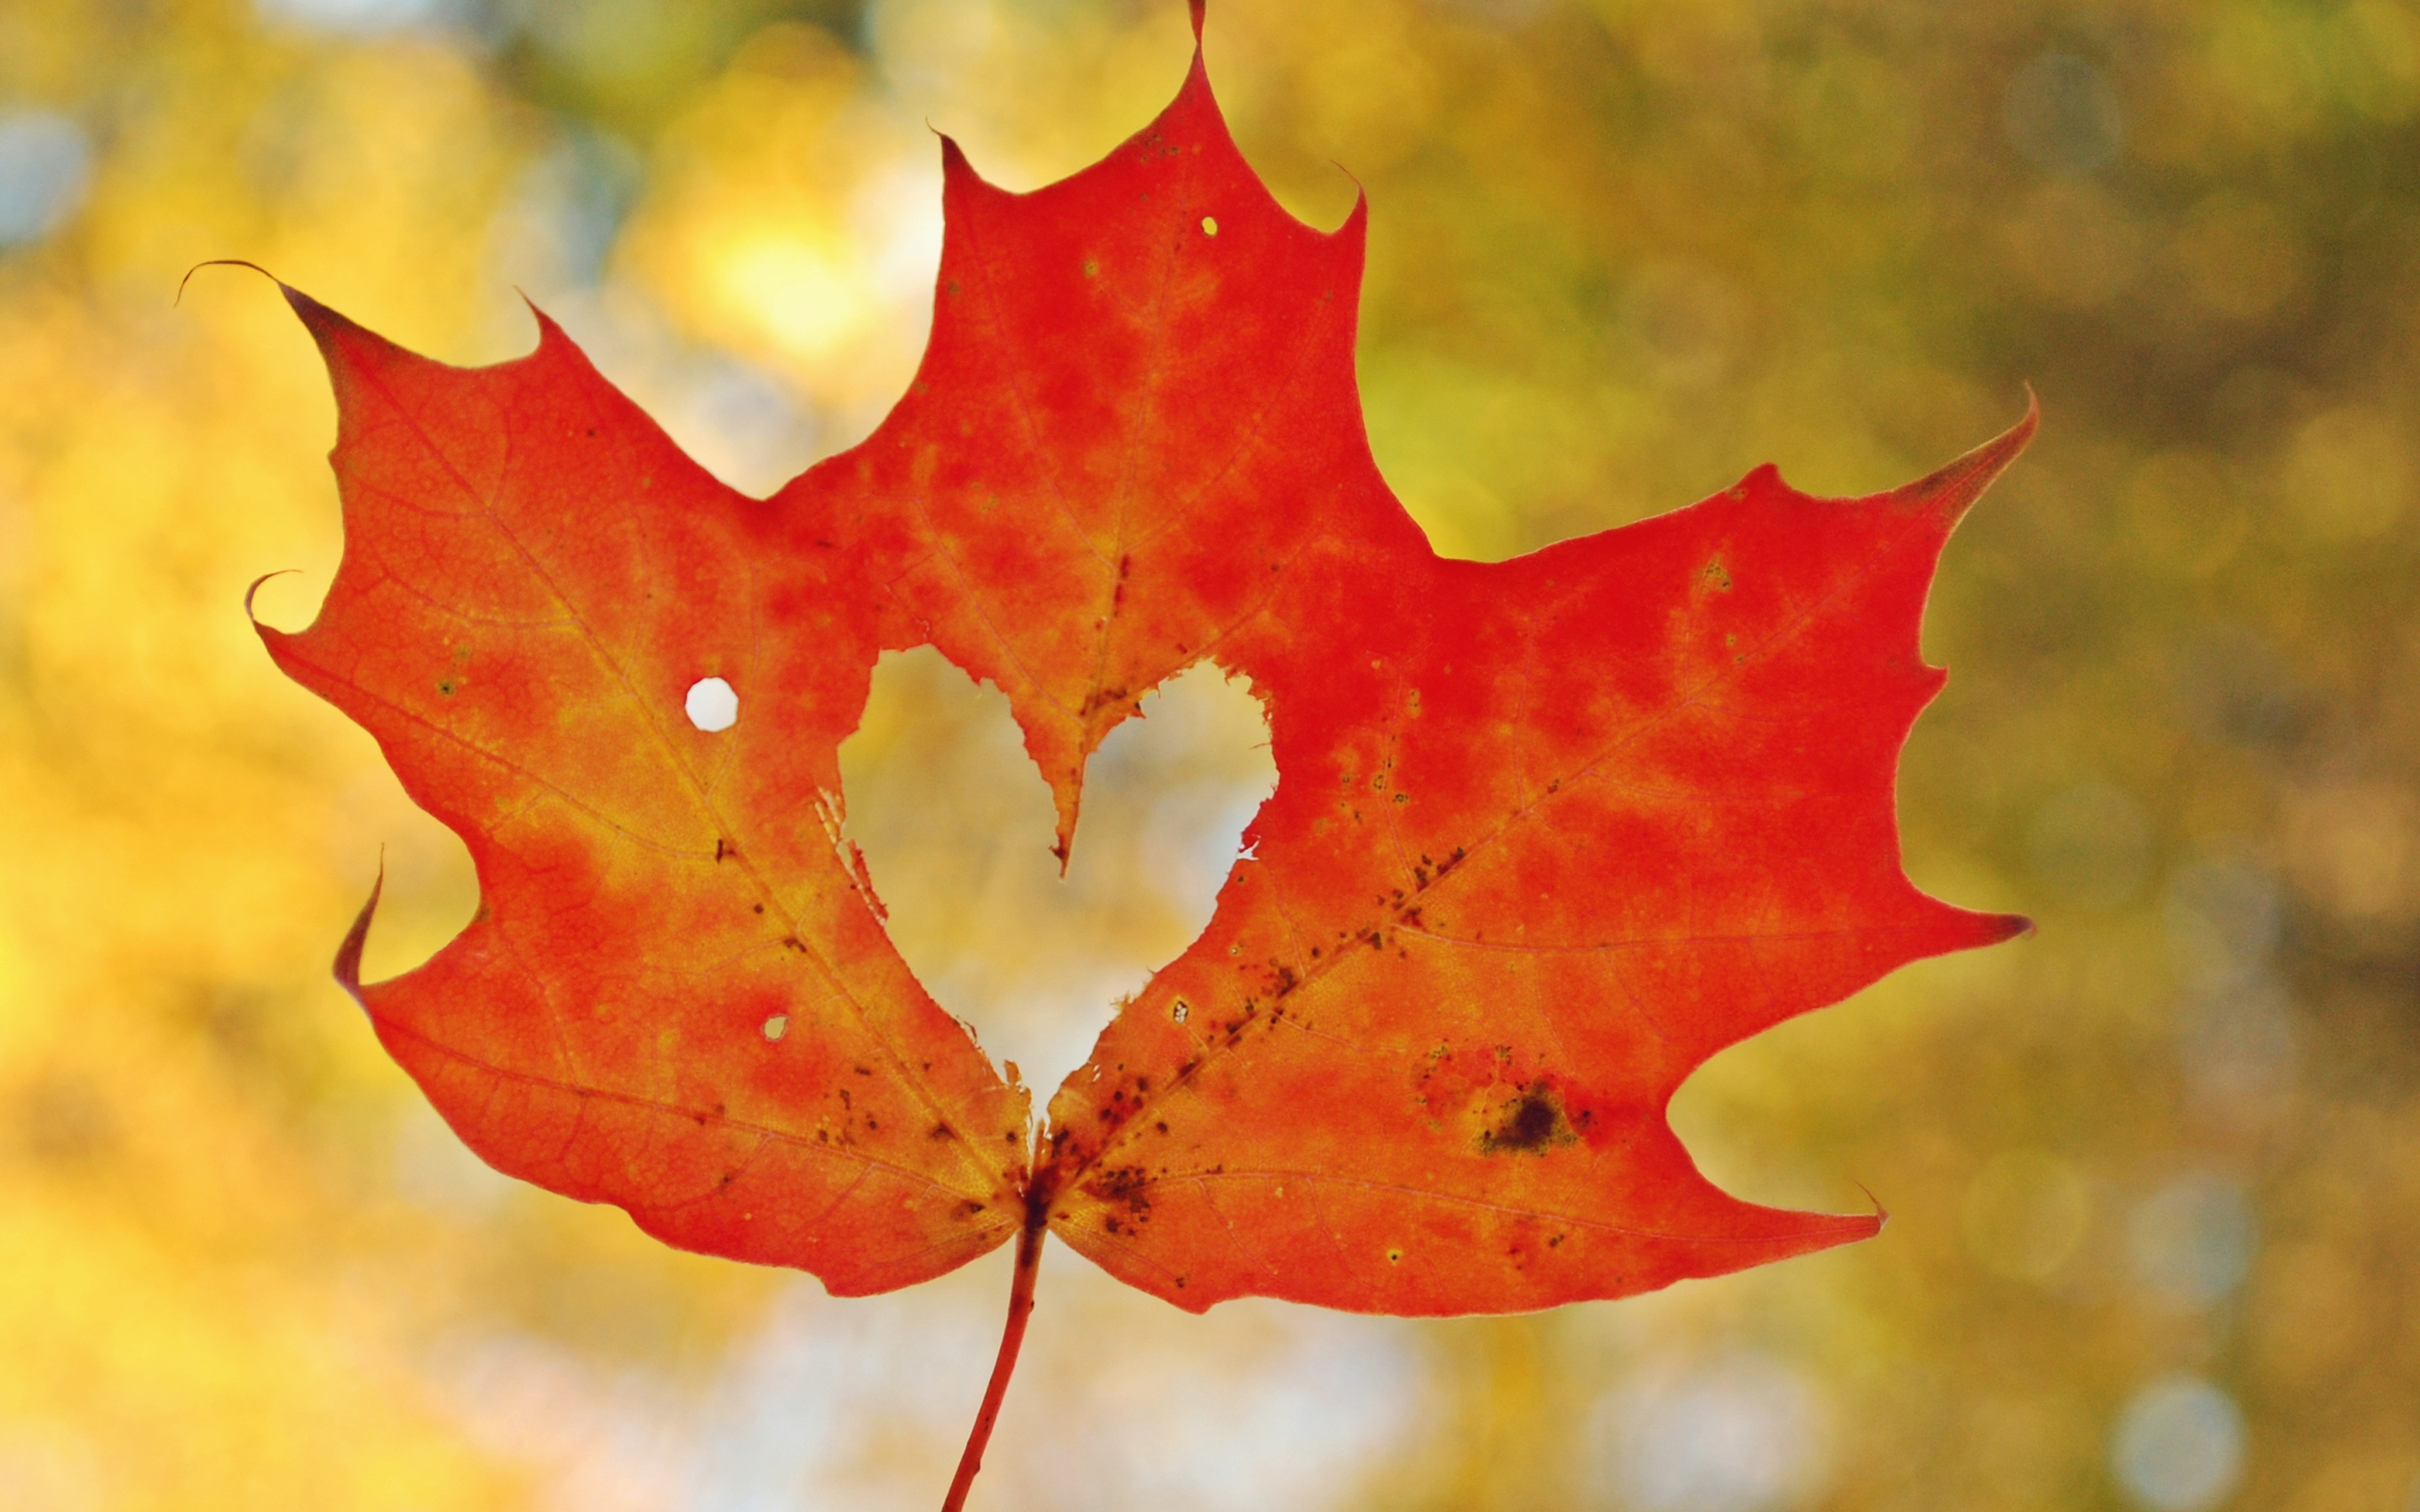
1547,834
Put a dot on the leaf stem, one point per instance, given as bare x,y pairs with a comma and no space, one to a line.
1020,1307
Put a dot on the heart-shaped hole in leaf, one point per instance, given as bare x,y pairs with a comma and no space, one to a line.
956,825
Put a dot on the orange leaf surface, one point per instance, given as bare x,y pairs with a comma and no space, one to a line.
1547,833
677,995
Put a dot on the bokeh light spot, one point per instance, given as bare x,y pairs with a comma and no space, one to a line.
2192,1240
2179,1445
2224,921
355,18
2374,60
2062,115
2241,1057
2316,1306
2239,256
1740,1434
2090,844
2185,511
2025,1212
2234,688
792,288
45,164
2076,244
2349,473
2356,845
1692,322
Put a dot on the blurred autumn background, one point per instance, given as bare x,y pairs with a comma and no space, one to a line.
2154,1172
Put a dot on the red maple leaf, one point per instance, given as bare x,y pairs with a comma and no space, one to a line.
1547,833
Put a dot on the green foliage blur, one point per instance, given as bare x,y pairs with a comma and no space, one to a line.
2154,1171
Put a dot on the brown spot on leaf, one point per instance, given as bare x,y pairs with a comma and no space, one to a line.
1530,1124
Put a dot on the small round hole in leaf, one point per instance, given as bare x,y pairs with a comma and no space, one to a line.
713,704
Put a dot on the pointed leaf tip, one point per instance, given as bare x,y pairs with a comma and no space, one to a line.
1198,6
1881,1215
311,311
551,334
330,326
547,328
1954,488
1993,929
349,954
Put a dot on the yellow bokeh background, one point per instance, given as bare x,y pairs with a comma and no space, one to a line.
2154,1171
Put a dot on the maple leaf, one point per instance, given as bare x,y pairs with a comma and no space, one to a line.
1547,834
